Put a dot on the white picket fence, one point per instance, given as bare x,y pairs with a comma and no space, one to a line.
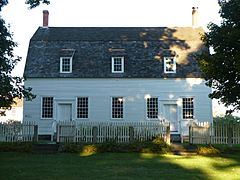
215,133
105,131
13,132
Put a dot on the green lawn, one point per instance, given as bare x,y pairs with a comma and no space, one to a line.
118,166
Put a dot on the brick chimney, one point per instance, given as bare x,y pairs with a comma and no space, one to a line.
195,17
45,18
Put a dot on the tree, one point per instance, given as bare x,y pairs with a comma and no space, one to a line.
11,87
35,3
221,69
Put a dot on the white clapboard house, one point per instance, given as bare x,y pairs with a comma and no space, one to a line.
116,74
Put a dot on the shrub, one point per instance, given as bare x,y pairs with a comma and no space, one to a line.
209,150
226,119
156,145
70,148
89,149
16,147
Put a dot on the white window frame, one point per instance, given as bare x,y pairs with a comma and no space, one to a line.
193,108
77,107
61,64
174,65
42,107
123,100
147,108
122,64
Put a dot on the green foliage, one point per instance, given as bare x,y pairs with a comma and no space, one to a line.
226,119
10,87
222,68
70,148
207,150
16,147
226,149
35,3
155,146
215,149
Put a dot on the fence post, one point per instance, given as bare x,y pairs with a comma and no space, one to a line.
207,129
210,133
74,132
94,134
35,135
190,134
168,137
131,134
58,129
230,134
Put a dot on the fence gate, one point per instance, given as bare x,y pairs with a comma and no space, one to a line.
215,133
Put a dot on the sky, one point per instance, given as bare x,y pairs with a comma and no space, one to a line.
103,13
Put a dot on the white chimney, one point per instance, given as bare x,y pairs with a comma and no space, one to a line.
45,18
195,17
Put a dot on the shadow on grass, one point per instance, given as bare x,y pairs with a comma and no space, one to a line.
232,161
97,166
88,164
229,156
207,167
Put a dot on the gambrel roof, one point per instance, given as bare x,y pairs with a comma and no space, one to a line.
91,49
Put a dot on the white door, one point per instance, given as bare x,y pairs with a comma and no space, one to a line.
64,112
170,114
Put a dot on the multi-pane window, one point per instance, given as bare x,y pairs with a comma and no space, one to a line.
152,108
188,108
65,64
117,107
82,107
117,64
169,65
47,107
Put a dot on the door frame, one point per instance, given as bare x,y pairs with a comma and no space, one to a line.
171,102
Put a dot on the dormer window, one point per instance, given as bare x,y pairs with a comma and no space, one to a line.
169,65
65,65
117,64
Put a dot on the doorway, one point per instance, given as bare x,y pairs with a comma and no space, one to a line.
171,115
64,112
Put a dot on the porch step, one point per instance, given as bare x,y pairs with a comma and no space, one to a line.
45,148
185,138
183,149
44,137
175,138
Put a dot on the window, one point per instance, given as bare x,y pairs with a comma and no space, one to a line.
65,65
47,107
169,65
117,107
188,108
152,108
117,64
82,107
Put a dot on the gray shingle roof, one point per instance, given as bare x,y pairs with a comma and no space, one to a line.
143,49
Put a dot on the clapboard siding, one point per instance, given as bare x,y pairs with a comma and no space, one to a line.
100,92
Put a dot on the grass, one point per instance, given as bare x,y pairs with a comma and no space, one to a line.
118,166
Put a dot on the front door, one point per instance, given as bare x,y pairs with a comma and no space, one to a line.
170,114
64,112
